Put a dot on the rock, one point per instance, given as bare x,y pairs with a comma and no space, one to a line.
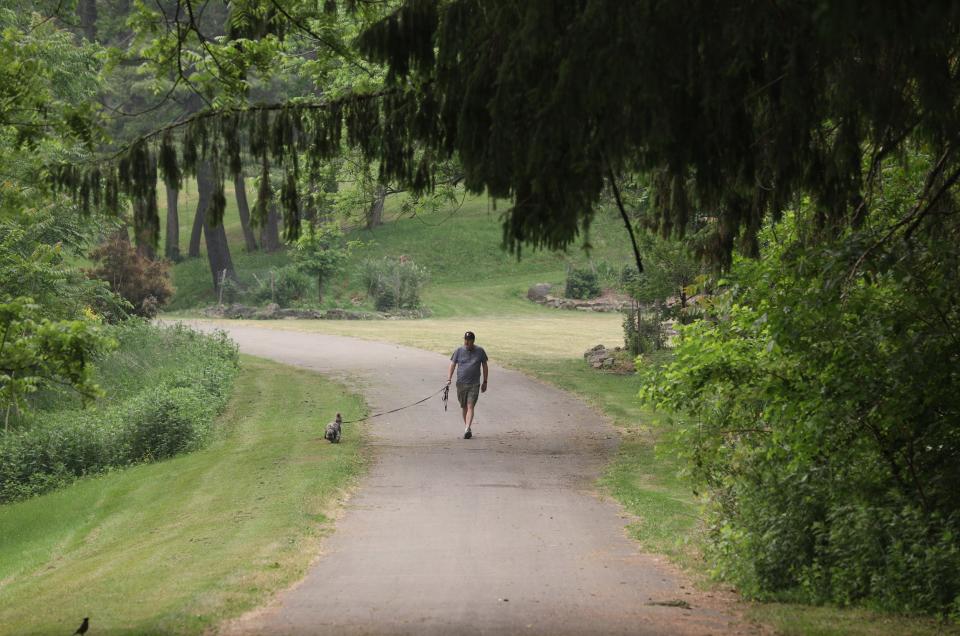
301,314
608,363
539,292
593,350
346,314
236,311
270,312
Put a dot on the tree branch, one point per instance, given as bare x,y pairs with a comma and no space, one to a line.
626,218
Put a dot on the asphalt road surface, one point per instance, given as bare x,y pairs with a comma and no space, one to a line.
501,534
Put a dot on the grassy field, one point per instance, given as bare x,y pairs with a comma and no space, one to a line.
177,546
470,274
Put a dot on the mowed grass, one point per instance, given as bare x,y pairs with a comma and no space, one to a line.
178,546
550,335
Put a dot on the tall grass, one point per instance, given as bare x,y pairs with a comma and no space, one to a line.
163,387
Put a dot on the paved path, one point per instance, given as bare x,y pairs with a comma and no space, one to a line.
500,534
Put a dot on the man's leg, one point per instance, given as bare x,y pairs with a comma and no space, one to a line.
468,415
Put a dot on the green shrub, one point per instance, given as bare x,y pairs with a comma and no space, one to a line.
393,283
141,281
628,275
607,274
283,286
385,299
819,412
643,330
230,291
163,386
582,284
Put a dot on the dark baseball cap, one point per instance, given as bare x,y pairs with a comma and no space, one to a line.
469,336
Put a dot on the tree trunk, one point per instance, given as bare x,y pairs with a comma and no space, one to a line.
197,232
87,13
218,250
375,212
270,232
172,245
310,210
244,208
145,246
319,288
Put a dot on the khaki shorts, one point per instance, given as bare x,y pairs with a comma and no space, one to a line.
468,393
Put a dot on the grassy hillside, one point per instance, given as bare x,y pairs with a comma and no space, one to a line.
470,273
192,540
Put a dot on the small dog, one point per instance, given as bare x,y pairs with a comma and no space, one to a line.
333,430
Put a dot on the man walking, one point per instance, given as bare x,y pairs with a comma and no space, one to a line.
468,360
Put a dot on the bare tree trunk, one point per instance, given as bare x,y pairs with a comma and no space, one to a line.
172,245
244,208
145,246
310,210
197,232
375,212
270,232
218,250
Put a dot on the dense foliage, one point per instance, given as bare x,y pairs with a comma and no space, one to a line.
39,352
149,411
393,283
818,404
321,252
544,101
141,281
283,286
581,283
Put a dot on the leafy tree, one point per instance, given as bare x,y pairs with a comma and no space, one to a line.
817,408
33,262
36,353
806,101
322,252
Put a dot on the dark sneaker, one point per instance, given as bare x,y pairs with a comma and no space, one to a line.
468,434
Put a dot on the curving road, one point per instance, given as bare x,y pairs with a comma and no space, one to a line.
500,534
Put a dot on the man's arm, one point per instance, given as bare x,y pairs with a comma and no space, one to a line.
486,374
453,365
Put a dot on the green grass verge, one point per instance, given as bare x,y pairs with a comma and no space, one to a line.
177,546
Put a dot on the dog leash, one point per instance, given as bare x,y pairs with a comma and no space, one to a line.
445,390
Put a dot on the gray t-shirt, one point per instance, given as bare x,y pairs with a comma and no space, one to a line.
468,364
